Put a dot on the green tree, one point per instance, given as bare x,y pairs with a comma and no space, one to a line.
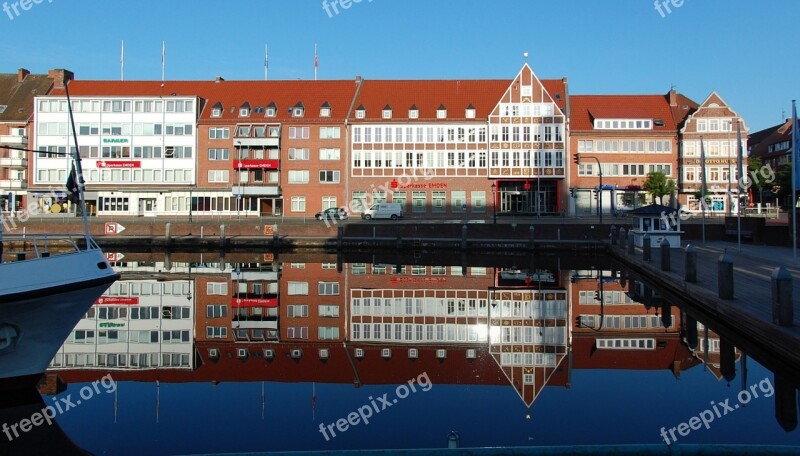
658,186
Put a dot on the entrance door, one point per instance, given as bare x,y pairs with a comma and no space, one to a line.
147,207
266,206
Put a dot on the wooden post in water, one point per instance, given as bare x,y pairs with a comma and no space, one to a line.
690,273
168,233
222,240
666,251
614,235
647,249
622,238
631,246
725,276
532,243
782,305
463,237
339,237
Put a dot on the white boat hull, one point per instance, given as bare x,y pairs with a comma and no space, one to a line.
41,301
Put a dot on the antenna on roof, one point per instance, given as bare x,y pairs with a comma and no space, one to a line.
525,54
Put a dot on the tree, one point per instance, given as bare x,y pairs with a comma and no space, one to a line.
658,186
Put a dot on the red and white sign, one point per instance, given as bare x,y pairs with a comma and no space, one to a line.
114,256
117,301
113,228
254,302
257,164
417,185
118,164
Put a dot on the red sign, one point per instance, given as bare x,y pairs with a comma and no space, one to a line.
117,300
118,164
254,302
256,164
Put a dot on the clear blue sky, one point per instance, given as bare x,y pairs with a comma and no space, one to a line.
747,51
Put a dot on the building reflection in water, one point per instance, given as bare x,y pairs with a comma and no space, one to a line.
309,318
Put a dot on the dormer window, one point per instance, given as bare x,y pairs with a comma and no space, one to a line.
216,110
244,110
361,112
441,112
298,110
470,112
387,112
413,112
325,110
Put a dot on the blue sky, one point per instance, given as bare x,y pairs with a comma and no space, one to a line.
745,50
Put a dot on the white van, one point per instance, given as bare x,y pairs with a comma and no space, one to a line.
392,211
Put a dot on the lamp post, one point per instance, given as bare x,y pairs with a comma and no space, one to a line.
600,189
494,204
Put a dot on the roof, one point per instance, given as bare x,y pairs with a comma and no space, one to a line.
584,109
17,95
761,141
312,95
428,96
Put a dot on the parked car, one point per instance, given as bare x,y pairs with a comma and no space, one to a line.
392,211
337,213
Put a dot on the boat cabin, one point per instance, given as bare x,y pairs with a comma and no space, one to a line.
657,222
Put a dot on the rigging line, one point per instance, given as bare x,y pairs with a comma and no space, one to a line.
58,154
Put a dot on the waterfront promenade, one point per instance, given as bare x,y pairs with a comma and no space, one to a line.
750,310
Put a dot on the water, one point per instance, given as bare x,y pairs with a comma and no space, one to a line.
510,351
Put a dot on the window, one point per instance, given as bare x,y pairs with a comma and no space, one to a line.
294,332
329,133
298,154
386,114
298,204
298,132
298,111
244,111
324,111
413,113
329,311
328,202
216,311
470,113
216,332
219,133
217,288
218,175
271,111
441,113
361,113
328,288
297,310
297,288
329,154
218,154
328,333
329,176
298,176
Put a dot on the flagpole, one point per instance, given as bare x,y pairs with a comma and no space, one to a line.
316,62
122,62
266,61
163,63
795,153
739,181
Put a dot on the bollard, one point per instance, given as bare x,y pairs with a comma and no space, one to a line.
782,307
275,237
725,276
614,235
647,248
222,240
690,273
339,237
463,237
168,232
666,260
532,230
631,246
785,402
622,238
558,234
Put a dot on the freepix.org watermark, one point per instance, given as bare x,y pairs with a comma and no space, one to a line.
376,405
664,7
717,410
16,8
332,7
60,406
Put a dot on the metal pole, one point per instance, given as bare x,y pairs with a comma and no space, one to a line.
794,178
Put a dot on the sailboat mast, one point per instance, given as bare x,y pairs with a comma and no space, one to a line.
76,162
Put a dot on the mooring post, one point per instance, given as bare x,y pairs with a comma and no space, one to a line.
647,248
666,251
785,402
532,243
782,306
622,238
275,236
463,237
725,276
631,246
690,273
614,235
222,239
339,237
168,232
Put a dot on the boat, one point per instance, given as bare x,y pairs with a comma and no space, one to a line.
43,295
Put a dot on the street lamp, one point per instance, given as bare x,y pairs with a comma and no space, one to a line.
494,204
600,189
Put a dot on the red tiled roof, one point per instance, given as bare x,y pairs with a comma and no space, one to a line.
429,95
585,108
233,94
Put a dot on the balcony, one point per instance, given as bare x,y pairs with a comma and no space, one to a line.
13,140
13,184
256,190
13,163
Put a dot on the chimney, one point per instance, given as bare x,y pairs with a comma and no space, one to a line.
219,79
673,98
60,77
21,73
358,79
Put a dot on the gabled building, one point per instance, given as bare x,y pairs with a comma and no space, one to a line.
711,128
16,115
